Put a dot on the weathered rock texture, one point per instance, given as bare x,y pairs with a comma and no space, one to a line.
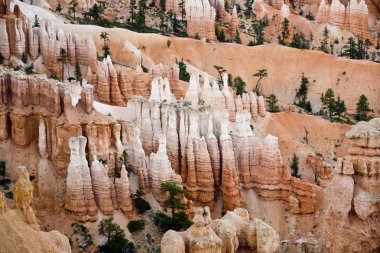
353,17
198,238
227,234
123,195
79,198
353,195
200,18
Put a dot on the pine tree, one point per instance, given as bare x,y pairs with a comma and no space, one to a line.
272,103
62,58
183,74
163,5
328,102
78,73
220,70
174,201
106,49
36,21
248,8
294,166
140,17
301,95
132,10
324,42
261,73
116,238
362,108
284,31
237,38
181,6
73,6
58,8
238,86
340,107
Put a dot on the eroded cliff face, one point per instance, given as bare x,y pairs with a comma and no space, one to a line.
353,193
200,18
353,17
234,230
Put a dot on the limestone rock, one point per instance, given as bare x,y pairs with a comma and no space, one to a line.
79,197
261,106
123,195
101,187
200,18
3,203
230,104
4,44
233,26
23,193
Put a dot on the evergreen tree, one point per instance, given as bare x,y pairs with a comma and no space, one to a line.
340,107
237,38
248,8
183,74
230,81
299,41
174,199
181,6
301,94
117,241
73,6
106,50
140,17
163,5
30,70
220,36
258,30
238,86
36,21
328,102
24,58
220,70
78,73
58,8
132,10
284,31
350,50
362,108
62,58
175,24
272,103
261,73
324,42
294,166
94,13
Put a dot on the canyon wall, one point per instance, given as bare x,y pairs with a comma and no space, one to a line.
200,18
353,17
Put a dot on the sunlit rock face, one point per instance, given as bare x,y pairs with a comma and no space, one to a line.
200,18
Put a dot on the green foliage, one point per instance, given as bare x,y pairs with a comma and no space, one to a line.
24,58
284,32
237,38
183,74
272,103
230,81
62,58
310,17
106,49
220,70
362,108
165,222
299,41
324,43
141,204
301,95
294,166
328,102
2,168
132,10
260,73
1,58
181,5
238,86
117,242
36,21
73,7
248,8
220,36
173,201
144,69
168,43
140,16
85,233
78,73
54,76
59,8
163,5
340,107
136,226
30,70
258,30
356,50
94,14
197,36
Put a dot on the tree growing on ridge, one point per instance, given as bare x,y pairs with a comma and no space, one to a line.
261,73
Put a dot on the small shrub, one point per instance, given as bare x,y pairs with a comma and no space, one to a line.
164,222
319,154
30,70
141,204
168,43
197,36
24,58
2,168
145,69
136,226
